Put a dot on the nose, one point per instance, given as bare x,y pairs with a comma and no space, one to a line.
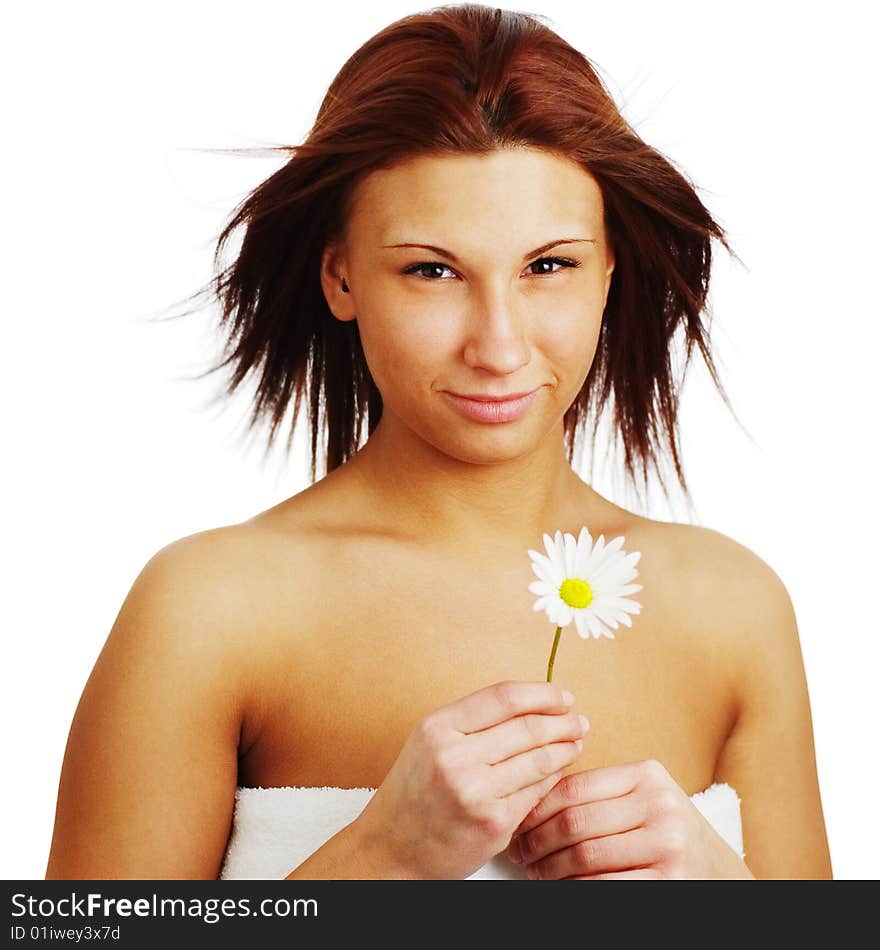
496,334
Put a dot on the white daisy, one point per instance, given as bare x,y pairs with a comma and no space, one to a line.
586,583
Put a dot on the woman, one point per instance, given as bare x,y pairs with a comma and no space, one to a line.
349,684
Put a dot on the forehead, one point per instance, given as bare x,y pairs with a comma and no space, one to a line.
512,187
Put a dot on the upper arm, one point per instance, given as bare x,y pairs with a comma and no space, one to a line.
150,769
769,756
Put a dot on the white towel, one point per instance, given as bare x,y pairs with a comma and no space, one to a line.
275,829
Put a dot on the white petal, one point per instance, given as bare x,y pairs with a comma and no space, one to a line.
538,558
555,553
570,555
617,606
597,626
543,569
611,563
610,576
612,612
608,618
629,589
586,621
594,561
585,552
624,603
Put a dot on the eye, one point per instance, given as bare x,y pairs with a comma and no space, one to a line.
562,261
416,268
423,266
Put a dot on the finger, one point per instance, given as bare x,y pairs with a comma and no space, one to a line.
634,874
581,788
631,849
529,767
577,823
521,802
501,701
521,733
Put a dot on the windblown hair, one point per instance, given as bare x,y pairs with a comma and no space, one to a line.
465,79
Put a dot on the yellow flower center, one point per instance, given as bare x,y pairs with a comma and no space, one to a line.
576,592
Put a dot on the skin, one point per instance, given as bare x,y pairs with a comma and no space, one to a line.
376,630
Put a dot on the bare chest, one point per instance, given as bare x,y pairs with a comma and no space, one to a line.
354,654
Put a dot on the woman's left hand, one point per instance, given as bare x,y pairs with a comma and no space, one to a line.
621,821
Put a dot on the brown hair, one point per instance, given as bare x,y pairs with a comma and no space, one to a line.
465,79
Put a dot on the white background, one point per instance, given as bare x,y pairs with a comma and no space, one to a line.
109,212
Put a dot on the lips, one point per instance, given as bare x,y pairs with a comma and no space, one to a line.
487,409
478,397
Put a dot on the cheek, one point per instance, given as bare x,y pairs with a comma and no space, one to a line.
403,350
568,339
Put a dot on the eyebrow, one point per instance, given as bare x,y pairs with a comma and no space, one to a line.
538,250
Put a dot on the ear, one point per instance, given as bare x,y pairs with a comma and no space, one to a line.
333,272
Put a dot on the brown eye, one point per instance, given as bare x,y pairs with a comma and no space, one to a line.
425,265
428,270
562,261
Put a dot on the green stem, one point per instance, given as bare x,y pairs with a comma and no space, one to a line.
553,654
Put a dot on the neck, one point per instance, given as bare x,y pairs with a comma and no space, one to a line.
505,506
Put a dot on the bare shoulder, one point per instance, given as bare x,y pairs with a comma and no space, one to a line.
238,582
728,598
696,548
228,569
738,616
745,597
715,574
175,699
713,564
208,570
752,615
162,713
205,585
769,755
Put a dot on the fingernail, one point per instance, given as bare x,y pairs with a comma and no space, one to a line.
584,722
580,744
568,698
515,852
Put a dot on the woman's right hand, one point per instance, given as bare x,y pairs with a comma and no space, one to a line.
467,775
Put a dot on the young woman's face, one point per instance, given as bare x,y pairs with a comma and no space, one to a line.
508,299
